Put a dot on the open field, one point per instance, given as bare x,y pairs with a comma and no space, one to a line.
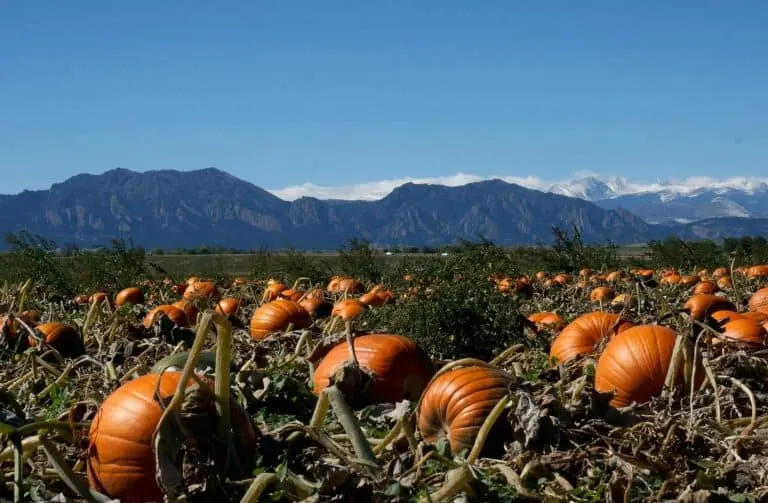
500,385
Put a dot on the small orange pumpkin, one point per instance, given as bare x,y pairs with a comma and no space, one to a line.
457,402
634,364
175,314
276,316
708,287
291,294
61,337
724,282
99,298
758,272
720,272
601,294
200,290
317,307
584,333
348,309
130,295
228,306
547,320
744,331
189,308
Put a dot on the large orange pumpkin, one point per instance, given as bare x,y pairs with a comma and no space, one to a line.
634,364
724,316
201,290
174,313
400,368
121,462
276,316
701,305
584,333
130,295
759,300
61,337
759,316
457,402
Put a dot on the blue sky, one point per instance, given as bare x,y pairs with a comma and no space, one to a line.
341,92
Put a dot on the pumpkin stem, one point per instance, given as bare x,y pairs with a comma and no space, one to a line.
455,481
259,484
349,334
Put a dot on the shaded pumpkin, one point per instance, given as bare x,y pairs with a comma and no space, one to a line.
613,277
547,320
634,364
724,316
228,306
743,331
759,300
601,294
317,307
540,276
273,289
201,290
720,272
189,308
276,316
755,315
584,333
348,309
62,337
131,295
399,367
671,279
175,314
457,402
701,305
586,272
689,280
120,458
758,272
561,279
100,298
724,282
291,294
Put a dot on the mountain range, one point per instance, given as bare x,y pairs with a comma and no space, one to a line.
170,209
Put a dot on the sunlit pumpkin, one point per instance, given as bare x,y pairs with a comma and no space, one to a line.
613,277
759,300
671,279
724,316
62,337
548,320
624,299
276,316
634,364
561,279
701,305
339,285
586,272
457,402
744,331
348,309
689,280
175,314
273,290
130,295
291,294
121,461
201,290
760,316
400,368
583,334
645,274
189,308
100,298
724,282
708,287
228,306
376,298
601,294
541,276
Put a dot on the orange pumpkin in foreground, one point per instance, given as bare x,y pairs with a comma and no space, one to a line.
121,462
634,364
130,295
744,331
457,402
62,337
276,316
399,367
584,333
175,314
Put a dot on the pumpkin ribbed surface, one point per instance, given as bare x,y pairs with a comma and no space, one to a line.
634,364
276,316
121,462
582,335
348,309
457,402
228,306
399,367
62,337
744,331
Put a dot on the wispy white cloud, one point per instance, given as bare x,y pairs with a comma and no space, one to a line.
578,185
